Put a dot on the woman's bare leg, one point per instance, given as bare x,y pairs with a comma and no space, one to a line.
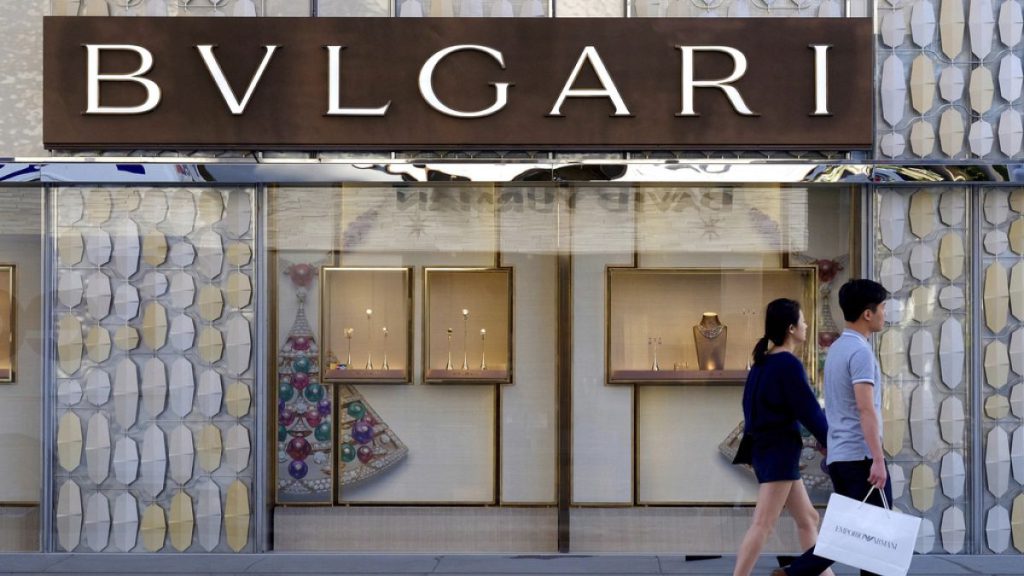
771,497
806,517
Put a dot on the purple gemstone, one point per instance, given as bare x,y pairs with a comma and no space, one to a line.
298,469
362,432
324,406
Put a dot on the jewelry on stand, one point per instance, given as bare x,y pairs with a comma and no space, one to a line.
657,344
465,340
385,365
483,348
348,338
448,366
369,339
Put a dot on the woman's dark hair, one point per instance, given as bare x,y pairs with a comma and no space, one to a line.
780,315
859,295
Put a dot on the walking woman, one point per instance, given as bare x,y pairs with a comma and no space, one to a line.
777,398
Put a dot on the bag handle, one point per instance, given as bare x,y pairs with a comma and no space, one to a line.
885,503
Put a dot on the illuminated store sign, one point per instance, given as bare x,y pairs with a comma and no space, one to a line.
372,83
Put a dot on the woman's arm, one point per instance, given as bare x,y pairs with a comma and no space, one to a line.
803,403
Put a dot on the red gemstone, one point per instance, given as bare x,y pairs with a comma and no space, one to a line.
298,448
365,454
300,343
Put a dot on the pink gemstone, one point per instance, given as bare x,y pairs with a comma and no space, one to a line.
300,343
365,454
313,416
300,380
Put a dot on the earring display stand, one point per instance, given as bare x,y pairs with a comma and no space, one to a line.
366,325
477,303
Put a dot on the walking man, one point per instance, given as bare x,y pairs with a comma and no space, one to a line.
853,406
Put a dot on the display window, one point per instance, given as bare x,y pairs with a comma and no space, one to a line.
21,367
660,292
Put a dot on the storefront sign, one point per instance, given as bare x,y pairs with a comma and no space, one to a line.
394,83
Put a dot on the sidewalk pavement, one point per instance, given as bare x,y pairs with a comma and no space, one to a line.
423,564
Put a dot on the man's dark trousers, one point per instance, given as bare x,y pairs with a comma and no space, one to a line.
849,479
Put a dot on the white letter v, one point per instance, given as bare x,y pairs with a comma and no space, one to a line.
236,107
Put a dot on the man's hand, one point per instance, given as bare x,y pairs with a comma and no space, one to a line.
878,474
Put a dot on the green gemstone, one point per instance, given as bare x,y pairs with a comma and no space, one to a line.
282,433
323,432
314,392
356,410
285,391
348,453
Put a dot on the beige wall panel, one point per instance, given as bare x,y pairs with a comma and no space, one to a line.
602,415
303,219
590,8
529,407
20,228
678,433
416,530
350,7
21,92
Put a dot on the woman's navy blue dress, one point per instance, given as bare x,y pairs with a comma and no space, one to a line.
777,398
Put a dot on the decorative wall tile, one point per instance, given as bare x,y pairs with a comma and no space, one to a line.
922,487
954,530
952,420
126,522
997,461
953,475
951,352
997,529
126,461
69,441
69,515
154,461
97,448
97,522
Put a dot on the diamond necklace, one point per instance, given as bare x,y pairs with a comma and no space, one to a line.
710,333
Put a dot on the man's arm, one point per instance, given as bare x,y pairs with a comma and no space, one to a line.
869,424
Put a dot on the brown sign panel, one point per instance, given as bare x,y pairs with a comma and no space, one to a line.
458,83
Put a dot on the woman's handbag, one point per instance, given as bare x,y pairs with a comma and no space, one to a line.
745,448
865,536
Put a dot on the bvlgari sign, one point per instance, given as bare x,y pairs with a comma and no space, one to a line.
401,83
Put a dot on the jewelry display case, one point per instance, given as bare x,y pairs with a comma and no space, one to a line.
695,326
7,349
366,325
467,325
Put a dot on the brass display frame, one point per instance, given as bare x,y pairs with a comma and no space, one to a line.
362,376
474,376
809,303
7,373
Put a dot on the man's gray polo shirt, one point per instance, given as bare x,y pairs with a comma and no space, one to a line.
850,360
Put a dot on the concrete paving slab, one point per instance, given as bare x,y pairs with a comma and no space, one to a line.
548,564
312,562
28,562
151,563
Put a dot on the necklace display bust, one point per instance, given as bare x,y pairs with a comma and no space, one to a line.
709,336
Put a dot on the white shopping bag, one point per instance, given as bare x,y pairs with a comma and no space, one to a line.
868,537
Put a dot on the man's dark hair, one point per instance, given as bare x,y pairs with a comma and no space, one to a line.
859,295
